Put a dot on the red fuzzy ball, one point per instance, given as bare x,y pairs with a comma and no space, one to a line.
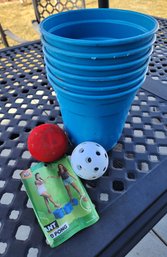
47,143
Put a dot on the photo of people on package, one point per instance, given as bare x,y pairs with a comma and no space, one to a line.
68,181
42,191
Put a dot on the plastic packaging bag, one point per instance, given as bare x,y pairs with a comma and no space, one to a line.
60,202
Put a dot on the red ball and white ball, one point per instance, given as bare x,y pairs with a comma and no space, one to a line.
89,160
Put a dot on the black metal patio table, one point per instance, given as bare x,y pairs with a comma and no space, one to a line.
130,198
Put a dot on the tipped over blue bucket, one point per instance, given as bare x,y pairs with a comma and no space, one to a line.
58,213
68,208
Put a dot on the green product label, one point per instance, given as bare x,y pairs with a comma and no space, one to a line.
60,202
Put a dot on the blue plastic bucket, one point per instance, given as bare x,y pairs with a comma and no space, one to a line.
95,118
89,70
58,213
94,29
55,82
98,58
98,81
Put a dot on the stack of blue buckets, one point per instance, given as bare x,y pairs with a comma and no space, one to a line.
96,60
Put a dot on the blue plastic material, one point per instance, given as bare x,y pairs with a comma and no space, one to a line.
95,118
97,81
68,208
98,58
83,28
89,70
58,213
95,30
74,201
55,82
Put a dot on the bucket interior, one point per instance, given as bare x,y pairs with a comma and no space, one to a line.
98,30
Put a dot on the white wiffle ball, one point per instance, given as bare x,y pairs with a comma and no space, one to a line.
89,160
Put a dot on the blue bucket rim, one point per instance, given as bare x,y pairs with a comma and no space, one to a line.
94,89
97,55
96,79
95,97
102,42
98,68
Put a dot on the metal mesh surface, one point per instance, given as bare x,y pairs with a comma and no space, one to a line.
44,8
158,63
27,100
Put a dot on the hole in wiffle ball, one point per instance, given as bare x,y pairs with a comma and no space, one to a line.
81,150
96,169
88,160
98,153
79,167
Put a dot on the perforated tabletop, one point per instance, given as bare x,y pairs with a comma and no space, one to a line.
132,195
